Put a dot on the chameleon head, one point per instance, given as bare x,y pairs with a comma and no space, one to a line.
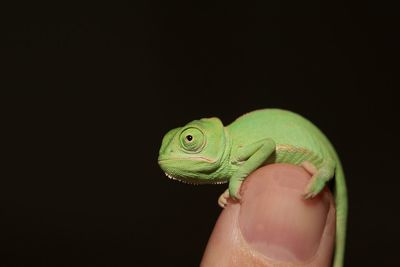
193,153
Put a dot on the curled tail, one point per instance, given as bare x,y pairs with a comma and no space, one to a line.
341,215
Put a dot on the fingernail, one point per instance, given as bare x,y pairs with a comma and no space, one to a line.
276,220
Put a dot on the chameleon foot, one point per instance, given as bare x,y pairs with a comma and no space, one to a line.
314,187
319,178
234,189
223,199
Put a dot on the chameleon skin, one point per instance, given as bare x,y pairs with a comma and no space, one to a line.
204,151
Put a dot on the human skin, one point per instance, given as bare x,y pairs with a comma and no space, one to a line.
274,225
206,151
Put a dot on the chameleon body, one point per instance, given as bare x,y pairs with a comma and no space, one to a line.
206,151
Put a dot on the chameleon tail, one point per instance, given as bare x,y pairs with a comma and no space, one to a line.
341,215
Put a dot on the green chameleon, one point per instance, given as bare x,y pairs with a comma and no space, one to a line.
204,151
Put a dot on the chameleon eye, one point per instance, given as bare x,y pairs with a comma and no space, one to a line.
192,139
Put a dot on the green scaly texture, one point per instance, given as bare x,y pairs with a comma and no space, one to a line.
204,151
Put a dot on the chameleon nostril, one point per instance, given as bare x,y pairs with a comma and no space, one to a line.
257,138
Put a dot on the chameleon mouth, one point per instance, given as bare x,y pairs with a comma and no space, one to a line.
180,180
192,182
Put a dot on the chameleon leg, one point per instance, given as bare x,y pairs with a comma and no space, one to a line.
250,158
308,166
223,199
319,177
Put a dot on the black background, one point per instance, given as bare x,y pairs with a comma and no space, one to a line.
81,185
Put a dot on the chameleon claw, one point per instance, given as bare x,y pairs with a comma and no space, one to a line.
198,152
234,193
309,195
223,199
314,187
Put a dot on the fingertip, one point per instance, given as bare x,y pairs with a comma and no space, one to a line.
274,223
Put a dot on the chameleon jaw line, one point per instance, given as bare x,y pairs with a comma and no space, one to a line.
191,182
176,179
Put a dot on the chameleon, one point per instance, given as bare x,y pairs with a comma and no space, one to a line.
205,151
